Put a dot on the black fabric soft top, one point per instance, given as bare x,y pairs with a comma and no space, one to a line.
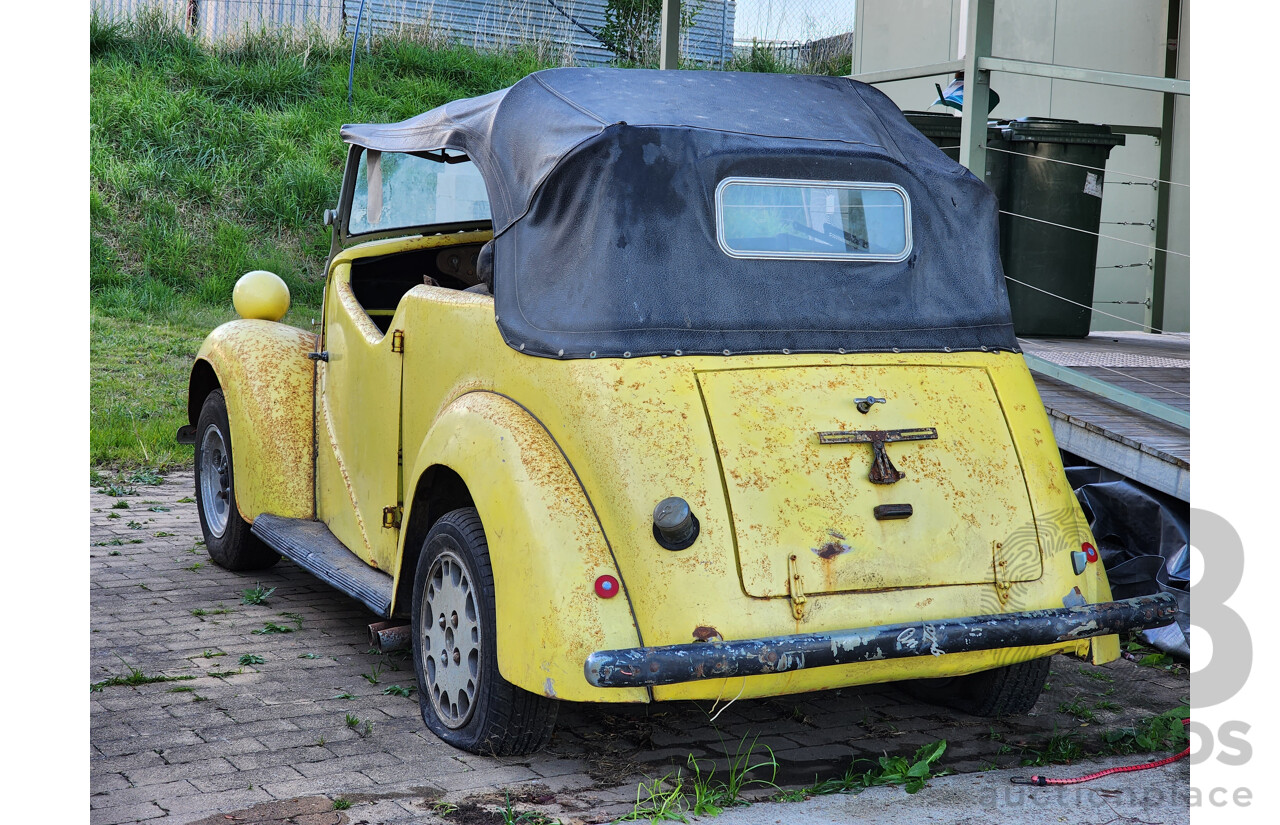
602,182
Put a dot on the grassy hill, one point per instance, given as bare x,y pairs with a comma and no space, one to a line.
206,163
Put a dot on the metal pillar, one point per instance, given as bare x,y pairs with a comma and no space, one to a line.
669,52
1156,315
977,86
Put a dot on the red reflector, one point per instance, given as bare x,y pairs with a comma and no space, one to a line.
1090,552
606,587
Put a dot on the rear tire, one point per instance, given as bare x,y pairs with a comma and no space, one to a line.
1005,691
463,698
226,535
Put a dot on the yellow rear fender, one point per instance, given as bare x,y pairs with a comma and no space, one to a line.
546,546
268,382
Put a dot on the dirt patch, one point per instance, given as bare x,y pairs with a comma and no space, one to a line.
311,810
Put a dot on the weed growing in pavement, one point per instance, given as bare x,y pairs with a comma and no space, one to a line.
194,566
136,677
661,800
1156,733
309,656
1105,704
134,525
209,654
345,696
511,817
251,659
114,553
911,773
341,803
118,491
1077,708
272,627
113,515
443,808
711,795
120,505
223,673
157,508
397,690
363,728
374,673
186,500
256,595
1096,674
145,476
163,535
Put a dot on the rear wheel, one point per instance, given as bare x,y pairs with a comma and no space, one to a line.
463,698
1005,691
226,535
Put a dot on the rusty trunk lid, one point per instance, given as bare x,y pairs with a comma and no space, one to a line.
790,494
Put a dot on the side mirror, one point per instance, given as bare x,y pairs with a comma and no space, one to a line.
330,215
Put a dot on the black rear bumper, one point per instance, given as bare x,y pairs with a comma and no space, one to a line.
642,666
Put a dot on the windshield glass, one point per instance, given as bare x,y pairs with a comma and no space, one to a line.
397,191
764,218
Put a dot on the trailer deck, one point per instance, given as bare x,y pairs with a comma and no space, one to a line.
1137,445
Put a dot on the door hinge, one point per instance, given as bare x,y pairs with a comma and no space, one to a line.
795,587
391,516
397,341
1001,564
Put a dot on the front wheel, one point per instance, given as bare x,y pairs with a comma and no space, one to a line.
226,534
463,698
1005,691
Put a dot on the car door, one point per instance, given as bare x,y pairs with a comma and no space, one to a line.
358,426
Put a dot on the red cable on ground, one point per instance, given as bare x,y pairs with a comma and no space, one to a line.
1042,781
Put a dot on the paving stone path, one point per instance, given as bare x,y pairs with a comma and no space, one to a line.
234,739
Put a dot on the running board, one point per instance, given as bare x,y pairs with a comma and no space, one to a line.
311,546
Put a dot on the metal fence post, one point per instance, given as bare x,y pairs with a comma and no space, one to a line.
193,16
1160,260
669,54
977,86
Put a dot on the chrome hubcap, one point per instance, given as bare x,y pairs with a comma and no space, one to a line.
215,481
449,628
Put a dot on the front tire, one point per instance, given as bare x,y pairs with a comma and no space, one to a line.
1005,691
226,534
463,698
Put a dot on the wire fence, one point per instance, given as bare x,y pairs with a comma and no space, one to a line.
590,32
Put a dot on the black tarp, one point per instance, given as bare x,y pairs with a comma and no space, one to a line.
1144,540
602,181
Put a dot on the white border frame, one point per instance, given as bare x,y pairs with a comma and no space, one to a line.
812,256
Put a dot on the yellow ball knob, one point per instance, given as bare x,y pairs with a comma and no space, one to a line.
261,294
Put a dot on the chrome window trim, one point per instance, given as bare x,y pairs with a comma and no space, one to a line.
812,256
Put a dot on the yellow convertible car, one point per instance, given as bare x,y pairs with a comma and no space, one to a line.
640,386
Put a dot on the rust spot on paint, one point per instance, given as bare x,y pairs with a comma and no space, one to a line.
706,633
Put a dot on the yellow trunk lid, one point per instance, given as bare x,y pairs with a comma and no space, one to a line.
791,495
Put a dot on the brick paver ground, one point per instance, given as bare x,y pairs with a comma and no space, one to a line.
278,740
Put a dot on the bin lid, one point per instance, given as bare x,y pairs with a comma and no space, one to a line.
1055,130
944,124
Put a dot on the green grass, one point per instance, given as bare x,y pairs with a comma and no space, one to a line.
206,163
136,677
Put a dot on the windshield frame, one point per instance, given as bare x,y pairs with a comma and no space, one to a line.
344,235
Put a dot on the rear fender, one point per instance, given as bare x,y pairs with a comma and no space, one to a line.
546,546
269,384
